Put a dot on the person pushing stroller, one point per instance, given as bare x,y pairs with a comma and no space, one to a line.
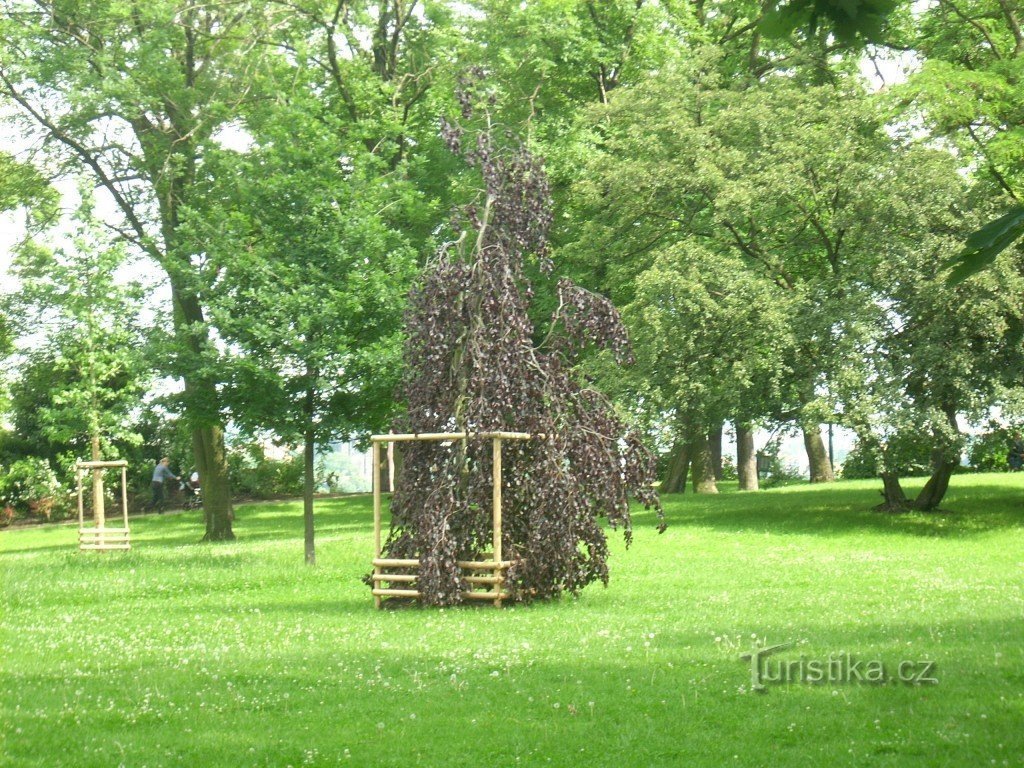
161,472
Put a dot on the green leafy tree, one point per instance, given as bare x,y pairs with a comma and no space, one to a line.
21,187
135,94
968,92
313,284
712,342
940,354
682,160
86,372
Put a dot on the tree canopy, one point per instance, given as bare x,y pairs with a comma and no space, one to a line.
789,246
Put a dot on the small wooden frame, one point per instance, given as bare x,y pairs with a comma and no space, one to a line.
384,568
99,536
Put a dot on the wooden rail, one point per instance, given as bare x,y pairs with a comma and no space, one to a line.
100,537
495,564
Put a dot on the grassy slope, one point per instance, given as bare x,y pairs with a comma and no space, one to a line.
185,654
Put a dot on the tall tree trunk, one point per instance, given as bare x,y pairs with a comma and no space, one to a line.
703,465
715,440
308,468
746,458
307,497
817,456
677,470
201,407
211,461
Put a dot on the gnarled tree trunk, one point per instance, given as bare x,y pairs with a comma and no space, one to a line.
746,458
944,463
895,499
817,456
935,489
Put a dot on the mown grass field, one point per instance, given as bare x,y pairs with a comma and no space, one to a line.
184,654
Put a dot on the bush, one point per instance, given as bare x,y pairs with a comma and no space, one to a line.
859,464
29,489
729,468
255,476
989,451
775,472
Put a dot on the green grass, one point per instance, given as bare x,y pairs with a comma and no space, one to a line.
185,654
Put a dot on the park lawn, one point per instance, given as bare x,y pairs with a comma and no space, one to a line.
180,653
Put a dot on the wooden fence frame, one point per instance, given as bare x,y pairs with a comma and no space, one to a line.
100,536
495,565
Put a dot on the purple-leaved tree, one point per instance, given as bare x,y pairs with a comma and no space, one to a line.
473,366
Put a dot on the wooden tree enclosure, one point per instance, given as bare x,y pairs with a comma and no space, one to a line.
486,578
98,535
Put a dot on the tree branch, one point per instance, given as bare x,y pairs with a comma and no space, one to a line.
82,152
974,23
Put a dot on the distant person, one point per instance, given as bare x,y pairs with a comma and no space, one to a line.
1015,458
161,472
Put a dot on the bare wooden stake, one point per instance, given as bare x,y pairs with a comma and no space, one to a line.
496,504
124,494
376,518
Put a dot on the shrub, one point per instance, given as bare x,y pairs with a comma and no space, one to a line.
989,451
729,468
29,488
774,471
859,464
254,475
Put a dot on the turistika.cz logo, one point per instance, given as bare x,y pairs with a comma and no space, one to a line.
837,669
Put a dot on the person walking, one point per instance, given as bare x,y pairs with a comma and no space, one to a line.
161,472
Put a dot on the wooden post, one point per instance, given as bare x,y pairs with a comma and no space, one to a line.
81,501
124,494
376,515
496,510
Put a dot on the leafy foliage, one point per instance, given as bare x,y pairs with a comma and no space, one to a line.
29,488
969,93
473,366
851,21
257,476
87,371
983,246
990,451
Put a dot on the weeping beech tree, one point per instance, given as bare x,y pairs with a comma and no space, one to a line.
473,366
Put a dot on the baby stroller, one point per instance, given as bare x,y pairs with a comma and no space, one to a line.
192,495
